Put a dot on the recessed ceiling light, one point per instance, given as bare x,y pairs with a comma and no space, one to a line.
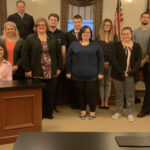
129,0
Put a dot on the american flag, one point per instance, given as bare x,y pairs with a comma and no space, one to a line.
148,6
118,19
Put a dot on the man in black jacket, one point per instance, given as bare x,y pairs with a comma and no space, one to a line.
72,36
23,20
142,36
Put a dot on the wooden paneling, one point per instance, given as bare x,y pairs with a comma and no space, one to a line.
20,111
3,14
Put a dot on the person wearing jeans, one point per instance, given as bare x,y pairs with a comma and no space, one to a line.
126,59
106,39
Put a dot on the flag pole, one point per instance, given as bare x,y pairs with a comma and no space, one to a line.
149,6
119,19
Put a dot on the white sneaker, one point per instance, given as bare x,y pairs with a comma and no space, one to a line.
130,118
116,115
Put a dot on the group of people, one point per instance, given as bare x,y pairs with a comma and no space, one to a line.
42,52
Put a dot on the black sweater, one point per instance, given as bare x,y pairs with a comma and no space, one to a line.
107,48
32,54
119,61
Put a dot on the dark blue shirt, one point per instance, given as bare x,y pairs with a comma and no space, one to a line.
60,36
85,62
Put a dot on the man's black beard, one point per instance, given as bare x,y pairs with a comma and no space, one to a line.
144,23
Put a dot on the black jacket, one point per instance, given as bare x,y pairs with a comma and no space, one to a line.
25,25
119,61
32,54
17,51
71,37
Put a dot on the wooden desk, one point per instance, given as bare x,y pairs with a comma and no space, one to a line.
20,108
72,141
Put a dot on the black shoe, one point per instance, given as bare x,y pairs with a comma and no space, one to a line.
124,106
137,100
101,107
49,116
106,107
74,107
141,115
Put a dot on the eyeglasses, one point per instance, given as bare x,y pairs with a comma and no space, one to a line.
107,25
42,25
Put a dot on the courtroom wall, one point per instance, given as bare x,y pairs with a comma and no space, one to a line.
41,8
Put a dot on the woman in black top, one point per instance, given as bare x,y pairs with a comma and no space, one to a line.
43,60
105,39
126,60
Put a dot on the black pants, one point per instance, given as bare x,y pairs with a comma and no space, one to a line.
74,102
58,93
86,92
146,102
19,74
48,96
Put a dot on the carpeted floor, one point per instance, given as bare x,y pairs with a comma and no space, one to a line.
68,120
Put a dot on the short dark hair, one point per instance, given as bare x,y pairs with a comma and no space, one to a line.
144,14
53,15
20,1
127,28
1,45
83,30
77,17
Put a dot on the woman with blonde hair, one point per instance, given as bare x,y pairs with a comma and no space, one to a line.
105,39
42,60
13,48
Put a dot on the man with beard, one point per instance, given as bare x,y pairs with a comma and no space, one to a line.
142,36
53,20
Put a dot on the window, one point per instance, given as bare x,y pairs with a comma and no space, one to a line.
95,12
85,22
85,12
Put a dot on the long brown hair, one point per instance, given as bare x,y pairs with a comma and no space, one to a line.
102,32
